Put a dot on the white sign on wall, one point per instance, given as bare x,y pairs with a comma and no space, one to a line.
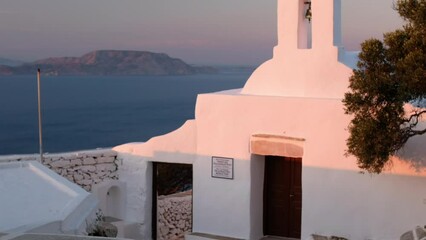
223,167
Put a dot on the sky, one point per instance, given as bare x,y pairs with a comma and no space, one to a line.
238,32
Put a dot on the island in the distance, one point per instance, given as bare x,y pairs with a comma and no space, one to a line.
109,62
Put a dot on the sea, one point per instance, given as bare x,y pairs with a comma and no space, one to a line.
89,112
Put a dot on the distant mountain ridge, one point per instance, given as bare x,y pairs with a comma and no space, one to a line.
10,62
109,62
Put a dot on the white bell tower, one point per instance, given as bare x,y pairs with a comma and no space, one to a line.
306,59
294,27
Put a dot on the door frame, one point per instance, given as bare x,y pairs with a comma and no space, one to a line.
154,201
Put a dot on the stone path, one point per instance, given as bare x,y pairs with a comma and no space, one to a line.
50,237
209,236
278,238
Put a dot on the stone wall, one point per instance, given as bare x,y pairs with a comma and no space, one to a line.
85,168
174,216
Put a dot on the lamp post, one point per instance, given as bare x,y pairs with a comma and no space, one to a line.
40,134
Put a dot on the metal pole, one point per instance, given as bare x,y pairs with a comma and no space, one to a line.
40,134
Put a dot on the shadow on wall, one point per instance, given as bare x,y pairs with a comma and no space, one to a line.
257,169
112,197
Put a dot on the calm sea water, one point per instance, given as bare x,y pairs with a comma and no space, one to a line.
91,112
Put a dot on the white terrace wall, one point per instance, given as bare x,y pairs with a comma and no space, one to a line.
85,168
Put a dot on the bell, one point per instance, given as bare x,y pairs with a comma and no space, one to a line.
308,14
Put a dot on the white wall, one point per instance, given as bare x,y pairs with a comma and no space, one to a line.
221,206
137,174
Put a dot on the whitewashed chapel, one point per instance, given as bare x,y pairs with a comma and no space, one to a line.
269,159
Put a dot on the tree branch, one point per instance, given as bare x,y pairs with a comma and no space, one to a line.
415,115
417,132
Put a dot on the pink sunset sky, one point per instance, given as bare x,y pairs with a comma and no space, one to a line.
198,31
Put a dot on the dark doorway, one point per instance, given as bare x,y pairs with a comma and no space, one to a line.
172,200
282,209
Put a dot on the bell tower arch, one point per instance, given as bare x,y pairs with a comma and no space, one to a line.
305,62
294,27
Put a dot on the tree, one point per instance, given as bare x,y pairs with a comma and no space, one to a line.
389,74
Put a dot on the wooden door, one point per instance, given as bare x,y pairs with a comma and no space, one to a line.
283,197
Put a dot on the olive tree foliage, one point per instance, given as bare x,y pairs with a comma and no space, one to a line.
390,74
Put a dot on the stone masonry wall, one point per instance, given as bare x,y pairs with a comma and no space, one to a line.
85,168
174,216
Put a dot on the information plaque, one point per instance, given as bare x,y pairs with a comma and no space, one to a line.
223,167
